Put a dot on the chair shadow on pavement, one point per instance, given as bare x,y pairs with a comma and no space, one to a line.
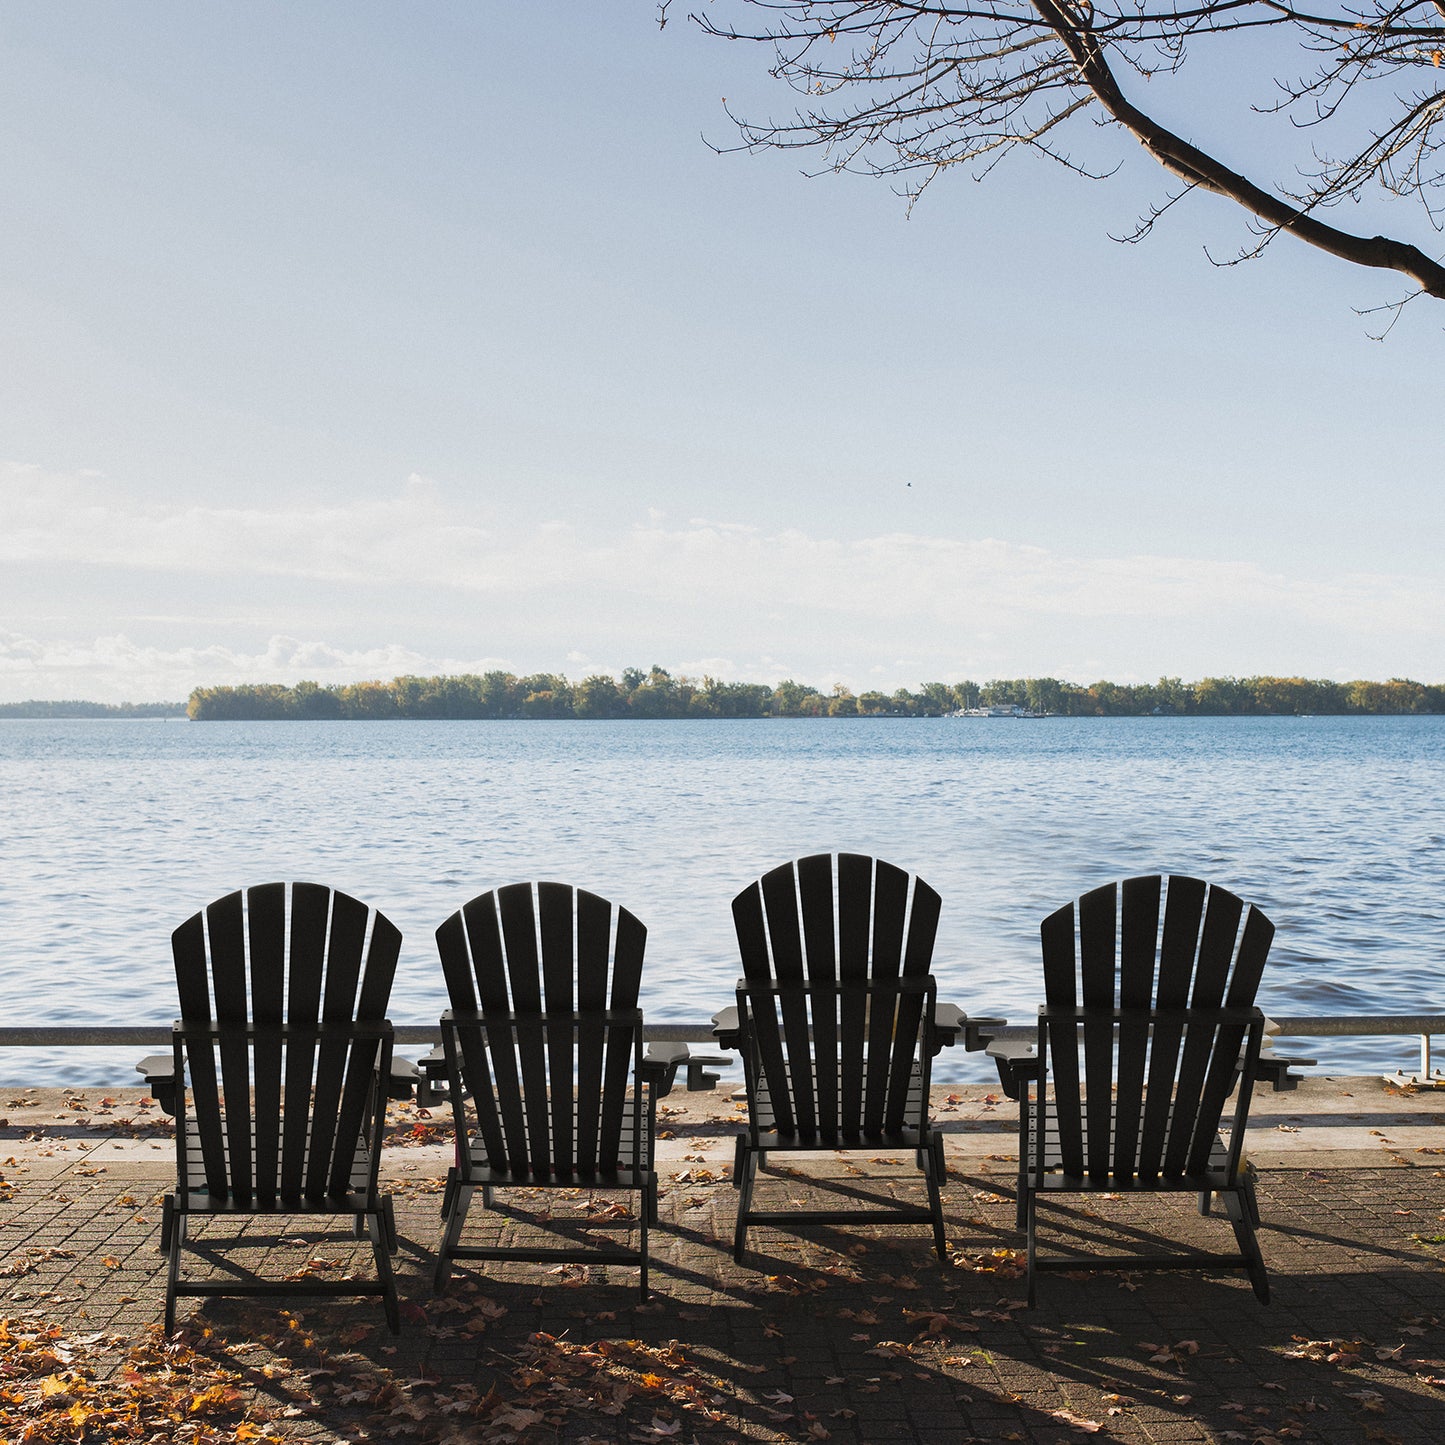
852,1334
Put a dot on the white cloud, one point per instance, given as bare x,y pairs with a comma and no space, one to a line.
115,669
701,596
48,517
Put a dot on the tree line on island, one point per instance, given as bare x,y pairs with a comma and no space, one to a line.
658,694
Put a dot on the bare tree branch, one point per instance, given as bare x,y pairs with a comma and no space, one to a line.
913,88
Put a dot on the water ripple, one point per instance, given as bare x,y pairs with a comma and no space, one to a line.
115,831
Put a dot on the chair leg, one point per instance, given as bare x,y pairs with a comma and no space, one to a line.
740,1150
745,1201
647,1214
1030,1203
461,1201
1206,1199
1237,1207
168,1219
388,1217
1027,1124
173,1267
934,1172
376,1223
1251,1198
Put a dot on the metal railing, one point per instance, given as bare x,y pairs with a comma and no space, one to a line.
1425,1026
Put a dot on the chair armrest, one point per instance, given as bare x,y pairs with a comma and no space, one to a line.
662,1061
1275,1069
160,1077
659,1067
431,1085
1017,1060
403,1080
727,1028
949,1021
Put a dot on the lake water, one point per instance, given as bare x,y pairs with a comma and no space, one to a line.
115,831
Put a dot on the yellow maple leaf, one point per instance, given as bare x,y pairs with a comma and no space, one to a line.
214,1398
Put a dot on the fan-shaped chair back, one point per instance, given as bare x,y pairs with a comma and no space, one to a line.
1150,987
283,991
836,953
543,980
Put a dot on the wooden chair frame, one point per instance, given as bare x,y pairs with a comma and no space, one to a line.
1148,1029
838,1021
545,1038
287,1089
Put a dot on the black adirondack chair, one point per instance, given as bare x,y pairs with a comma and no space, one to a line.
285,1047
545,1035
1148,1028
838,1021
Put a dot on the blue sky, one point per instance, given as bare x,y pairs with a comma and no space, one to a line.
343,341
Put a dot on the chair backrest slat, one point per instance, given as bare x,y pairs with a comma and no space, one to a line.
1098,977
310,930
623,1039
890,909
785,938
923,913
366,1056
1098,946
593,967
1249,962
752,923
188,945
1138,949
266,911
1183,919
226,931
556,921
820,941
854,914
345,943
517,907
1217,946
1216,949
1058,1045
487,928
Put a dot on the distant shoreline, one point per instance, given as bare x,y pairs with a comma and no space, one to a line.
657,694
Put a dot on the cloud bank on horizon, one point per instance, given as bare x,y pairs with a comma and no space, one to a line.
420,582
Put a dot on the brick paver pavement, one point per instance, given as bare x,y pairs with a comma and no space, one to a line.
851,1335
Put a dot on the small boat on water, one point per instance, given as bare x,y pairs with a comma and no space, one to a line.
997,710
